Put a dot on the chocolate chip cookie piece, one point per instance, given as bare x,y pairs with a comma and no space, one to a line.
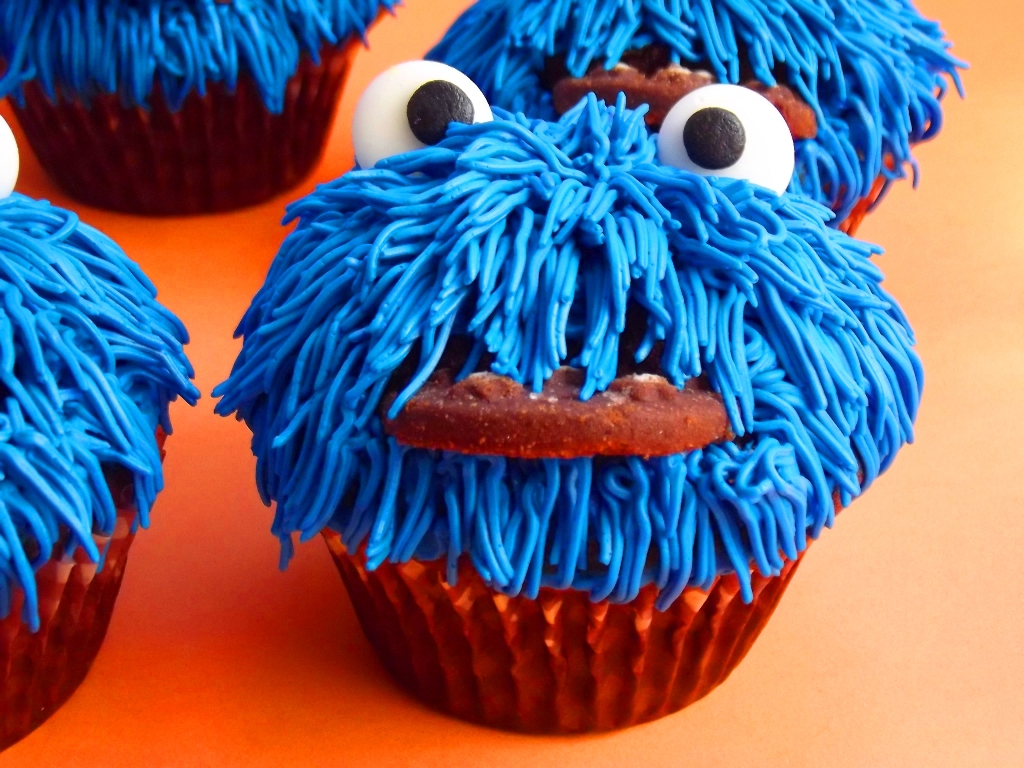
488,414
648,76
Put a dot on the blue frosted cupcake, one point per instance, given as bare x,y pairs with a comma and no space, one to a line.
567,409
179,106
859,81
89,362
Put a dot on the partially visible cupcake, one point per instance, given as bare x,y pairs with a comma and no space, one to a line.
168,107
89,362
859,81
567,404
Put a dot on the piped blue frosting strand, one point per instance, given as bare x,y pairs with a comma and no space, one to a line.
78,48
874,71
88,364
532,238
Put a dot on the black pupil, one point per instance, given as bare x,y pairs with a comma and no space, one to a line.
434,107
714,138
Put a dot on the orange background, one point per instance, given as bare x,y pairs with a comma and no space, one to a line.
899,642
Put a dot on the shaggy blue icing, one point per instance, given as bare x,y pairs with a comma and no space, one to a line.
88,364
529,237
78,48
874,71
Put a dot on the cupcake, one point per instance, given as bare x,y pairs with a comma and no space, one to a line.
567,406
88,364
167,107
858,81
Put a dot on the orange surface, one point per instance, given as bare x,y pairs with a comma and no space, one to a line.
898,644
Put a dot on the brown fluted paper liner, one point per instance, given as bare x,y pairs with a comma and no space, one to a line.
852,222
219,152
557,664
40,670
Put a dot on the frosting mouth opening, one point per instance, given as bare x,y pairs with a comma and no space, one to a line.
641,413
649,76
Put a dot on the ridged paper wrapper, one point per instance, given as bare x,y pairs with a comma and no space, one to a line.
40,670
220,151
866,205
860,211
556,664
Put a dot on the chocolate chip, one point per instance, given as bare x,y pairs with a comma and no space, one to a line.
649,59
434,107
714,138
487,387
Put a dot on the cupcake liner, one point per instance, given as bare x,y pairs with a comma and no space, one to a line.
218,152
40,670
556,664
852,222
867,204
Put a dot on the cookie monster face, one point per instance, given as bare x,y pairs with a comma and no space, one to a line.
859,81
536,344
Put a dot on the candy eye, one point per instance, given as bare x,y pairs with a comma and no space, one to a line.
729,131
410,106
9,160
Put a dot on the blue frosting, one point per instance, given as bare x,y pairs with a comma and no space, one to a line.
88,364
532,238
872,70
78,48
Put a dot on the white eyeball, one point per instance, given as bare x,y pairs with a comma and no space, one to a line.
10,160
410,106
729,131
